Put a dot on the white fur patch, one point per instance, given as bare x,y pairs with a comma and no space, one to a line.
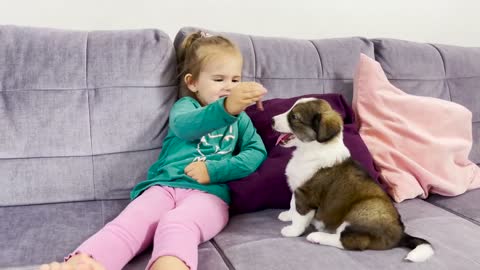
328,239
420,254
299,224
310,157
319,225
292,231
285,216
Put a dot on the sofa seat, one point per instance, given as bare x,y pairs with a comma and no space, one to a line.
249,240
254,240
37,234
467,205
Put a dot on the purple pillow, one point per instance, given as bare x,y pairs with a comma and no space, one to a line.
267,187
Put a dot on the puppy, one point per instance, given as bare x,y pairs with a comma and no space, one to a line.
332,191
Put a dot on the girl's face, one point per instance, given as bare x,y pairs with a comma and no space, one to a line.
218,76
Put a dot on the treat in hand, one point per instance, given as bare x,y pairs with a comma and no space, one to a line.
260,105
243,95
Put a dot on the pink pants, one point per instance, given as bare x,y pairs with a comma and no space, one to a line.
176,220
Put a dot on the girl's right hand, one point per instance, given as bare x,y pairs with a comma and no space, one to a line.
242,96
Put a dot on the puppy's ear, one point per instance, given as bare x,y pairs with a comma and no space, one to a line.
316,120
327,125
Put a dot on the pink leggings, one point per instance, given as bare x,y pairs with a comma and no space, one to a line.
176,220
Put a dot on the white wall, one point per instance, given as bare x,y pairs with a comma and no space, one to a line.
454,22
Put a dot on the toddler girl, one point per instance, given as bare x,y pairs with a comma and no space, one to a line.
184,200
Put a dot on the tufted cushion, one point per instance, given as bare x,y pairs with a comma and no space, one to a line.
83,114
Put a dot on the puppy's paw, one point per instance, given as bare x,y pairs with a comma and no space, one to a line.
285,216
325,239
315,237
292,231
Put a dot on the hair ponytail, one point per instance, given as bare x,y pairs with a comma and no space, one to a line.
184,48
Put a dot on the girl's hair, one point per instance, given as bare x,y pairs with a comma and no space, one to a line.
193,54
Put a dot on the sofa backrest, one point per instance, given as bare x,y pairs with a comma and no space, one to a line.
291,67
82,114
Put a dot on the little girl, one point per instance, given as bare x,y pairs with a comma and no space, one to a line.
184,201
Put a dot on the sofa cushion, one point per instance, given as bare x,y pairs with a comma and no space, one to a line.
267,187
37,234
83,114
253,241
442,71
420,144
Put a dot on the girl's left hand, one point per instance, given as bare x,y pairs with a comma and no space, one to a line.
198,171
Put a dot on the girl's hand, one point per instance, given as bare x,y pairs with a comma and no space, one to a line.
242,96
198,171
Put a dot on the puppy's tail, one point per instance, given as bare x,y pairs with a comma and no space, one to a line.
421,248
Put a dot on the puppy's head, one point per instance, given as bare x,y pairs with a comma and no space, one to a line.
308,120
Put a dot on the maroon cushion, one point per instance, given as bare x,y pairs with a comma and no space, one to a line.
267,187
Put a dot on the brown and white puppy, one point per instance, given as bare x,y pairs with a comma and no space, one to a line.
332,191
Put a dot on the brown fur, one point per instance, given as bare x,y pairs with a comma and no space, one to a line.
345,193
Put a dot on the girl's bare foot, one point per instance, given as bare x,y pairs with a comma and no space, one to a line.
77,262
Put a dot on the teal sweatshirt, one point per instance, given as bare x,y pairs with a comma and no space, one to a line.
229,145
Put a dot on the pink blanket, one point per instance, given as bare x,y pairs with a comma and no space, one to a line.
419,144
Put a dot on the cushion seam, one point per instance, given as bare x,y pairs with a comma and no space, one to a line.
226,260
444,70
64,202
89,118
455,213
93,155
321,65
254,59
83,89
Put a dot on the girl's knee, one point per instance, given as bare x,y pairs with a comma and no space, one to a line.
168,262
171,221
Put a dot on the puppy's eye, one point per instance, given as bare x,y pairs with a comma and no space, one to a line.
294,116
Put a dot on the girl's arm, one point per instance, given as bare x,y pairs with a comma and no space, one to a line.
252,154
189,121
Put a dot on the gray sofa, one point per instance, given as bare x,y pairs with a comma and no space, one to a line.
83,115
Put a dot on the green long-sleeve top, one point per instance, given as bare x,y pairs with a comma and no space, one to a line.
229,145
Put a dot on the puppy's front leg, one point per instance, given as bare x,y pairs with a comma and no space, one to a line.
287,215
299,222
318,224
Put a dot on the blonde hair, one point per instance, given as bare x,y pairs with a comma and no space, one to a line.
191,55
